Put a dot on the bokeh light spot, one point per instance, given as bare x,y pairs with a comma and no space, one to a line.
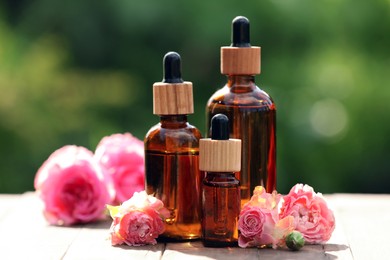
329,118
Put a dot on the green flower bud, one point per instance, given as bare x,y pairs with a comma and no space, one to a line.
295,240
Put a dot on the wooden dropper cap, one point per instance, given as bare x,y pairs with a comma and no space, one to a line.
172,96
240,58
219,153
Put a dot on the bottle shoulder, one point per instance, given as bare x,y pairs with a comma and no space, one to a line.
172,139
255,97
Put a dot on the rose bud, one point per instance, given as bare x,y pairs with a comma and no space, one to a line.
295,240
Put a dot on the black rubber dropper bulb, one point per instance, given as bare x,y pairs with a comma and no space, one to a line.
220,127
240,32
172,68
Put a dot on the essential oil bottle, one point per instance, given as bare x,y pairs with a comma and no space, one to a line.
220,158
251,111
172,154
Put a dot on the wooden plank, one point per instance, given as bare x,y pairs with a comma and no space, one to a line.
195,250
365,218
336,248
308,252
93,243
26,235
7,204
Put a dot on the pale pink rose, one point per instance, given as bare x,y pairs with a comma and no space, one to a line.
138,221
122,156
282,228
73,187
141,200
259,222
256,227
312,217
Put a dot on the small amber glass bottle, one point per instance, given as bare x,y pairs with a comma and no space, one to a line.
172,154
220,158
251,111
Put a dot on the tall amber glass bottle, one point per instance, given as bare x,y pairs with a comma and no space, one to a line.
220,158
251,111
171,154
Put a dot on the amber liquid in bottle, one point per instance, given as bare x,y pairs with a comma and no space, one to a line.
173,176
252,118
221,208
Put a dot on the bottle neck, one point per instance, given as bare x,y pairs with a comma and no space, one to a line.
241,83
221,179
173,121
222,174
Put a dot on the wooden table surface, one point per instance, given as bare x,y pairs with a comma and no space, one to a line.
362,232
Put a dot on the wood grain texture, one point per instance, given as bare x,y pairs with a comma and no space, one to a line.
365,219
240,61
26,235
173,99
361,233
220,155
93,242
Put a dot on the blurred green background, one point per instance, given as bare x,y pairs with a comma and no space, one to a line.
72,72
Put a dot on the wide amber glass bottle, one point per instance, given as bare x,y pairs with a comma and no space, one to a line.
251,111
220,158
171,154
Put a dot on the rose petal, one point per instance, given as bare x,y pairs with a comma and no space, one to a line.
73,187
122,157
312,217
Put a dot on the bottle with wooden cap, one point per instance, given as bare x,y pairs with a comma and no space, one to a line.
220,158
251,111
172,154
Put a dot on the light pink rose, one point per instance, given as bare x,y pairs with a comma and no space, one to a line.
122,156
73,187
138,221
312,217
259,222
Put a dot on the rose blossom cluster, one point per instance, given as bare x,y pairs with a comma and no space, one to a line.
267,218
312,216
76,184
122,157
259,222
138,221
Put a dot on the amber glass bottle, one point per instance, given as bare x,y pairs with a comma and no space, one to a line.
171,154
251,111
220,158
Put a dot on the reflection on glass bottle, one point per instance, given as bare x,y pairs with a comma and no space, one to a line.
251,111
220,158
171,154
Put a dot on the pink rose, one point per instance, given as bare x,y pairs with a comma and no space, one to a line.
259,222
312,217
122,156
138,221
73,187
256,226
